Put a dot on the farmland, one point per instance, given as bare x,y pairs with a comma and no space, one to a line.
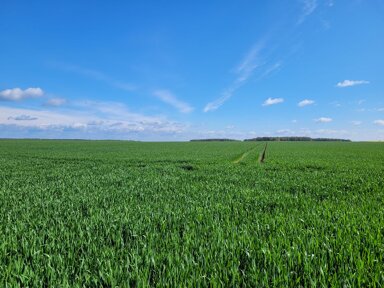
115,213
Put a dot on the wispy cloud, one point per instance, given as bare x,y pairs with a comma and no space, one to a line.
318,133
211,106
349,83
307,8
249,63
17,94
379,122
97,75
243,72
22,117
305,102
335,104
56,102
285,132
167,97
356,123
323,120
330,132
273,101
326,24
275,67
361,101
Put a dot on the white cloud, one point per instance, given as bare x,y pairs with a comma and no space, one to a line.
91,117
323,120
273,101
305,102
17,94
43,118
56,102
167,97
95,122
356,123
379,122
349,83
22,117
307,8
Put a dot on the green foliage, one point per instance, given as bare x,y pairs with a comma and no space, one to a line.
131,214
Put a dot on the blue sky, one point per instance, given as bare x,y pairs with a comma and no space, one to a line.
179,70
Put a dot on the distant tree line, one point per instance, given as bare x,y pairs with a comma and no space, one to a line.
290,138
296,138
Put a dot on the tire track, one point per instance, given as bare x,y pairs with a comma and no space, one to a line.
244,155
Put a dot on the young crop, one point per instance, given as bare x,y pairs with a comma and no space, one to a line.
132,214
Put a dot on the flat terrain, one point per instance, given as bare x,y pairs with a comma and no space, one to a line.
111,213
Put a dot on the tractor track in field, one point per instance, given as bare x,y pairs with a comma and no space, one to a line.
245,154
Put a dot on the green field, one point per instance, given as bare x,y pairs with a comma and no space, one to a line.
132,214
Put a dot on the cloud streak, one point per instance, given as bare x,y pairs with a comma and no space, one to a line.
22,117
168,98
307,8
356,123
56,102
211,106
243,72
379,122
305,102
17,94
273,101
323,120
249,63
350,83
271,69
